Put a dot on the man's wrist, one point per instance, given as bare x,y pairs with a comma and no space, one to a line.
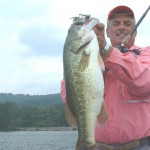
105,53
105,50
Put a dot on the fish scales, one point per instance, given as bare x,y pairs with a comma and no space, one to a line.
84,81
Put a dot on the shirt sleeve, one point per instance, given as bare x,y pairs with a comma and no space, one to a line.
63,91
132,70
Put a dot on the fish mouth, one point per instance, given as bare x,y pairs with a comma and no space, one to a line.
85,44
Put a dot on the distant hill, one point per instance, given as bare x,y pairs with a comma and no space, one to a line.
34,100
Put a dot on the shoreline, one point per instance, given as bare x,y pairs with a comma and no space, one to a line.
47,129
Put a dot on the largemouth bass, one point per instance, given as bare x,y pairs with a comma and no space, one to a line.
84,81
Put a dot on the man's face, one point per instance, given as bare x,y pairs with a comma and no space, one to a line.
118,28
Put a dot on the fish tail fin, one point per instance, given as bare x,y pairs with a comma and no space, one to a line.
79,147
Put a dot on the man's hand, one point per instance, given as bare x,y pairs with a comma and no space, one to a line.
100,32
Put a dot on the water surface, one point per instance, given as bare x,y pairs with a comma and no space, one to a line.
38,140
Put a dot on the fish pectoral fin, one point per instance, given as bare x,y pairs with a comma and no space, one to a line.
69,117
101,63
84,62
103,116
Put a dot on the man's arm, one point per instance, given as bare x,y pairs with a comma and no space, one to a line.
132,70
63,91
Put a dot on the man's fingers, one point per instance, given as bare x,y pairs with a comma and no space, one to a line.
100,26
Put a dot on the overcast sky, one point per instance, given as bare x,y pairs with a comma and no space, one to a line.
33,34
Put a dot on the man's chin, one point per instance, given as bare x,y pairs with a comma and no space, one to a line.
119,43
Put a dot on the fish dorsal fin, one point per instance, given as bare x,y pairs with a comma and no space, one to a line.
101,63
103,116
69,117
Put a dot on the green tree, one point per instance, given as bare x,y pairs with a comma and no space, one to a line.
9,116
29,116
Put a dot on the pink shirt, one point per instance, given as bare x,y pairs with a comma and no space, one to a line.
127,97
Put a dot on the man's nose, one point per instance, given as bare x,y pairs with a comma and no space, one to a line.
122,26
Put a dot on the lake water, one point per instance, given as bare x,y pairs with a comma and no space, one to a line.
38,140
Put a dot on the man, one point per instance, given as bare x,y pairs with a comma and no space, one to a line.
127,85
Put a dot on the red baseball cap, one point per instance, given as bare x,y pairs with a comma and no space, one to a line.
120,10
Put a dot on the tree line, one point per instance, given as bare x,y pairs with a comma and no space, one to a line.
13,117
34,100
